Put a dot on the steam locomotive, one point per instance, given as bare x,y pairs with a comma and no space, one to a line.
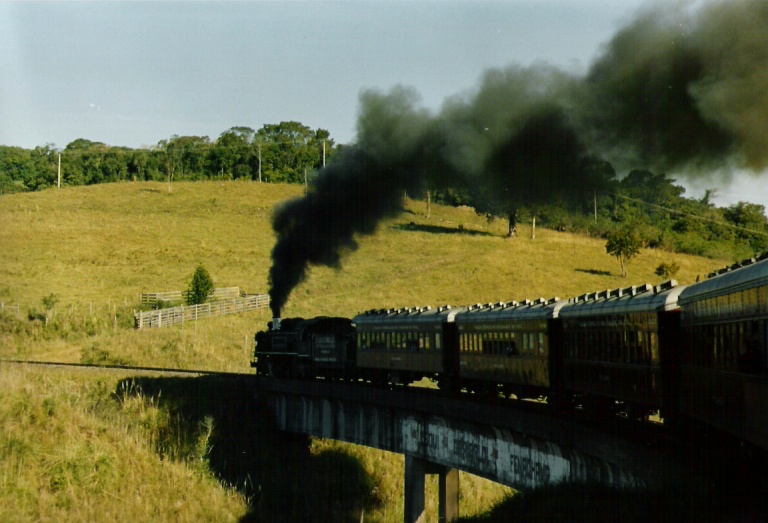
694,354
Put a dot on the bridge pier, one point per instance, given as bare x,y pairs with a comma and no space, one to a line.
416,470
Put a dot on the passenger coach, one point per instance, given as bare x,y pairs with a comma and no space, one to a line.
401,346
724,372
621,346
510,348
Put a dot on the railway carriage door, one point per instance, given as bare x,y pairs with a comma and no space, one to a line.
450,348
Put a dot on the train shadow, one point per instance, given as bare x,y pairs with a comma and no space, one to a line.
215,420
439,229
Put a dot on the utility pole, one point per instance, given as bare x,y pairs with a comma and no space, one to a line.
259,144
594,194
58,183
323,154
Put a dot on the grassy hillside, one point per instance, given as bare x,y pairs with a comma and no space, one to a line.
90,251
96,248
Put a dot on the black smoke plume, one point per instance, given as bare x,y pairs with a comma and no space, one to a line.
683,90
364,184
677,90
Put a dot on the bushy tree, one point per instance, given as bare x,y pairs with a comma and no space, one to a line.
624,244
201,287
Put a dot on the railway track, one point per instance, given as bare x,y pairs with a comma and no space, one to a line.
133,368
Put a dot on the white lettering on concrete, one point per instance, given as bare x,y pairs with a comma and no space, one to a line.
513,459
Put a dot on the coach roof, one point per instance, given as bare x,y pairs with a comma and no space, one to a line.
735,278
645,298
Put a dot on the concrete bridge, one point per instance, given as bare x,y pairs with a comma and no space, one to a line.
523,447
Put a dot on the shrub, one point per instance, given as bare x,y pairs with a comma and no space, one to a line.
201,287
667,270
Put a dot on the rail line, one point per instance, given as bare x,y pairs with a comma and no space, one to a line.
158,370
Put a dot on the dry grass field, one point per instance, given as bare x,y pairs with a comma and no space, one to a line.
75,260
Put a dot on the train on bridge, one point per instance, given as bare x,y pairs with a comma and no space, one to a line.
695,354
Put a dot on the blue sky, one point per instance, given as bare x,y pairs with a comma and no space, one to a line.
134,73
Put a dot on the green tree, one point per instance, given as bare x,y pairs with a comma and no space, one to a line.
234,154
201,287
624,244
752,225
289,150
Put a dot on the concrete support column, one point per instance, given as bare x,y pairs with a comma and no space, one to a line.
414,489
448,510
448,486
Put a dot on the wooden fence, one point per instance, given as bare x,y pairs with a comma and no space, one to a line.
172,316
150,299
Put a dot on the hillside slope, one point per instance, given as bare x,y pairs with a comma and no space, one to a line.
75,260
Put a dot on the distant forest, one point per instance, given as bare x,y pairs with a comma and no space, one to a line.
285,152
652,205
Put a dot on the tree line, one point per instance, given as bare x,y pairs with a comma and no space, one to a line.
285,152
641,209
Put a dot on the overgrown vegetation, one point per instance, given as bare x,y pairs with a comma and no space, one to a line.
89,251
70,451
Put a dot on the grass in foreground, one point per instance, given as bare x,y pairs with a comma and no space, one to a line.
71,452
